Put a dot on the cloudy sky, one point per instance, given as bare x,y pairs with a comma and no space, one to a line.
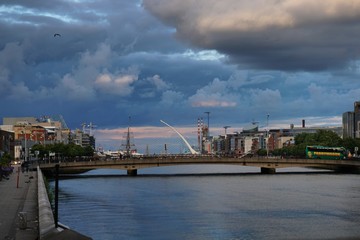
176,59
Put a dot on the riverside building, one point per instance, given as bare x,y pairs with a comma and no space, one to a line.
351,122
251,139
19,134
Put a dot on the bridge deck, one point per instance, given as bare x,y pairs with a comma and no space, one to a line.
148,162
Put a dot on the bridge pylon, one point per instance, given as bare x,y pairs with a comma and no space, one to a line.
132,172
268,170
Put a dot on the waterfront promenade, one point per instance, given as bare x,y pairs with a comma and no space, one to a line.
20,218
15,197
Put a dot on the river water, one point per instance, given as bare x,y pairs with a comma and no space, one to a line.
212,202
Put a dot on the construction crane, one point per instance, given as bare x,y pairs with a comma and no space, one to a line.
83,125
88,128
91,127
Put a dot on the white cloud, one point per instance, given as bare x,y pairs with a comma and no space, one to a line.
79,84
216,94
205,55
120,85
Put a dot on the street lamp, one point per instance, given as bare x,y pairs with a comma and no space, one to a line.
24,132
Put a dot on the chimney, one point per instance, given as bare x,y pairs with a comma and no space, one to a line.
303,123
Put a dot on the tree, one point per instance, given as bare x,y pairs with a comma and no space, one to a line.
65,150
262,152
321,137
40,148
88,151
5,160
328,138
307,138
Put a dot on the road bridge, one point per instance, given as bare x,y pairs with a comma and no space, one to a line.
267,165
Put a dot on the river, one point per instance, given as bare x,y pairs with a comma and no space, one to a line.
212,202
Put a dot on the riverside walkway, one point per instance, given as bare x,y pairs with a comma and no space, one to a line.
18,194
24,213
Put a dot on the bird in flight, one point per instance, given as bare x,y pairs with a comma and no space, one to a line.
57,35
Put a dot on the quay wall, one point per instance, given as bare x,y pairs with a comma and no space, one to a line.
47,227
46,217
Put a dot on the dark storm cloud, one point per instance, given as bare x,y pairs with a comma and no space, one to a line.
117,59
285,35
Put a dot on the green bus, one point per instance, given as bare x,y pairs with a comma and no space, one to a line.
321,152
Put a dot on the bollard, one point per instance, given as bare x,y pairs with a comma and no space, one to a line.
22,220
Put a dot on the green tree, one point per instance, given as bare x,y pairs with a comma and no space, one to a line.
321,138
40,148
328,138
262,152
88,151
65,150
306,138
5,159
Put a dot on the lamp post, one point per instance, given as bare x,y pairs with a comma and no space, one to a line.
24,132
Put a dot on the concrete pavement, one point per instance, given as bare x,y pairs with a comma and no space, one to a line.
18,197
19,211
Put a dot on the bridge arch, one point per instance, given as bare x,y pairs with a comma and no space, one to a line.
193,151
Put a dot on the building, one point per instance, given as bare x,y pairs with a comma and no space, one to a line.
251,139
351,122
357,119
19,134
83,139
348,124
7,142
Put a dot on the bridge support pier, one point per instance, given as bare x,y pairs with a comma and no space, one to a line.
268,170
132,172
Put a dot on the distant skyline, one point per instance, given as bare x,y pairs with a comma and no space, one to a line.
103,61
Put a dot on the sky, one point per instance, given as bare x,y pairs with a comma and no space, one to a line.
132,62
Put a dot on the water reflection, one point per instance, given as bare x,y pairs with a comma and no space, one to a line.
199,203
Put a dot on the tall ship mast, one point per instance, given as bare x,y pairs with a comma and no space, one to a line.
129,141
